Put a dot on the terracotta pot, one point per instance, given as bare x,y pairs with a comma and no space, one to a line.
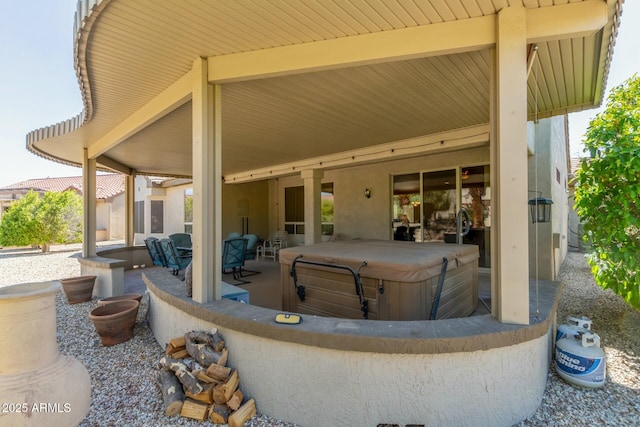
124,297
115,321
78,289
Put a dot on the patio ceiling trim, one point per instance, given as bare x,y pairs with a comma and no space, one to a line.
165,102
473,136
578,20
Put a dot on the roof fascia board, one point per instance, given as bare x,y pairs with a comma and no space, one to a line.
565,21
469,137
162,104
543,24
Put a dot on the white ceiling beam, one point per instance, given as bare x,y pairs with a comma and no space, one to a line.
166,101
445,141
113,165
393,45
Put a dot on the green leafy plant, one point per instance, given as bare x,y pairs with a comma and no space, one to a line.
56,217
608,187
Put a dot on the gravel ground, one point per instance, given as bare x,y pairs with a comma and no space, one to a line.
133,400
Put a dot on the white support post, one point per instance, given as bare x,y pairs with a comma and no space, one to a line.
207,186
312,205
89,206
509,155
129,206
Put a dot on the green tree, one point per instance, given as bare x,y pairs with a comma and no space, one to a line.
608,187
56,217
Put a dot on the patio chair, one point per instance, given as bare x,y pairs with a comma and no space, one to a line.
174,260
250,253
182,243
233,256
154,251
280,239
267,250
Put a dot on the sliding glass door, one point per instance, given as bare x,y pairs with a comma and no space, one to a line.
476,200
425,206
439,206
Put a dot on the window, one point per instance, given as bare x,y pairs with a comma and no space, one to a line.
188,210
294,210
157,216
327,209
138,217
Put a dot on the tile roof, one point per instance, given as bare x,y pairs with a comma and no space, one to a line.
107,185
575,164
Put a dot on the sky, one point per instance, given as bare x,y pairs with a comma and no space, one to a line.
38,85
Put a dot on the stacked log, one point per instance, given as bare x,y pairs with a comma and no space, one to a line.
196,383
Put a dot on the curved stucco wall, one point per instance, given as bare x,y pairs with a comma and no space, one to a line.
315,386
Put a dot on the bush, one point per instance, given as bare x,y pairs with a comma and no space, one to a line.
40,221
608,187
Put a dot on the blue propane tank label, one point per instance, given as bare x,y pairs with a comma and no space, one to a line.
583,368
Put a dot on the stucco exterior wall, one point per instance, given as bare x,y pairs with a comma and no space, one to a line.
548,173
238,200
174,209
118,215
358,217
494,387
250,201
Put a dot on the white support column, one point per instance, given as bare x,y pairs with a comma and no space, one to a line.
509,154
312,205
89,206
207,186
129,205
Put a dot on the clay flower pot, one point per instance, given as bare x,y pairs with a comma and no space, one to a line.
124,297
78,289
115,321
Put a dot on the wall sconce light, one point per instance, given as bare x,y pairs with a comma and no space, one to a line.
367,193
540,209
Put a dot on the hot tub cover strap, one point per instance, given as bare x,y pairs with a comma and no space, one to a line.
300,289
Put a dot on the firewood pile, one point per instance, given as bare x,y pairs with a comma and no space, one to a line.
196,383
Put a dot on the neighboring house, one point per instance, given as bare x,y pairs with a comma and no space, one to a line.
159,207
110,199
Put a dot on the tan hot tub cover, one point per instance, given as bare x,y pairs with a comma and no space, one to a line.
400,279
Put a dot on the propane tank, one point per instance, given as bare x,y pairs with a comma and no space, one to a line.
573,326
580,360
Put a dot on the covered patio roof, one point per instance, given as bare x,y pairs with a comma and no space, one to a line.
303,80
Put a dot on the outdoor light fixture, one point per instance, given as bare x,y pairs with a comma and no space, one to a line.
540,209
367,193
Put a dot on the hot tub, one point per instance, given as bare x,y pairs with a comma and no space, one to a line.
399,279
